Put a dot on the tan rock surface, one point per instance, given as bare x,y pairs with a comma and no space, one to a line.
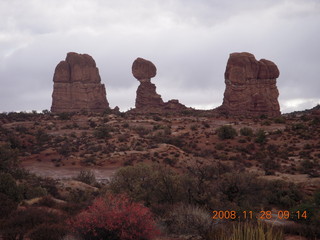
77,86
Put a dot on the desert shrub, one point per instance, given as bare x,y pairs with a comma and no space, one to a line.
261,136
72,208
283,194
23,221
102,132
14,142
298,127
142,131
79,196
266,123
151,184
34,192
226,132
9,187
315,121
65,149
190,219
42,137
48,232
170,161
157,118
307,166
246,131
115,217
243,189
279,120
174,140
200,183
90,160
50,185
194,127
47,201
65,116
250,231
86,176
270,165
7,205
308,216
8,158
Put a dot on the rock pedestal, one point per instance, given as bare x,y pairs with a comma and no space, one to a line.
148,100
250,86
77,86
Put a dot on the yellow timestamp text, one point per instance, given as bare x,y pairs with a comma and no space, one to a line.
280,214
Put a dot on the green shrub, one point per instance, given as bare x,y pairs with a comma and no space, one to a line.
280,120
65,116
9,187
261,136
283,194
34,192
86,176
242,189
7,205
246,131
8,158
151,184
102,132
189,220
226,132
21,222
48,232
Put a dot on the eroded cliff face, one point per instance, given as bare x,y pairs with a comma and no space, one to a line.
250,87
148,100
77,86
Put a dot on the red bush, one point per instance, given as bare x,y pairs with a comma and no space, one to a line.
115,217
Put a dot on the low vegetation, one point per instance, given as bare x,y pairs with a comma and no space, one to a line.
172,173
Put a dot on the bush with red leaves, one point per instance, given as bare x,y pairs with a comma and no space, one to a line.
115,217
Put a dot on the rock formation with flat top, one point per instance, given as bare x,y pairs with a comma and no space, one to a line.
148,100
250,87
77,86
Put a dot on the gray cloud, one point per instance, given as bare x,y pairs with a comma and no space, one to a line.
189,41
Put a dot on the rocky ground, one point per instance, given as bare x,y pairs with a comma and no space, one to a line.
61,145
288,147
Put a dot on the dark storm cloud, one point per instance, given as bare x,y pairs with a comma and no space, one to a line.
189,41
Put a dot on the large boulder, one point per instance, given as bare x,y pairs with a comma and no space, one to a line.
250,86
143,69
77,86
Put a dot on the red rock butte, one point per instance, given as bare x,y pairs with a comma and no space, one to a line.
77,86
250,87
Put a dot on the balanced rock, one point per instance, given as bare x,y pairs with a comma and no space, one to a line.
148,100
77,86
143,69
250,86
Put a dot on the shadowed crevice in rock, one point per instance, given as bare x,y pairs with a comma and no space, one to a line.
77,86
250,87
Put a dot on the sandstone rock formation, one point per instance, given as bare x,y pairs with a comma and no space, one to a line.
77,86
250,86
148,100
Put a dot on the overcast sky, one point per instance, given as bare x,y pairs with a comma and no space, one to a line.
189,41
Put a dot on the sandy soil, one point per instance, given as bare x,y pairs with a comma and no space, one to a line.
45,170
